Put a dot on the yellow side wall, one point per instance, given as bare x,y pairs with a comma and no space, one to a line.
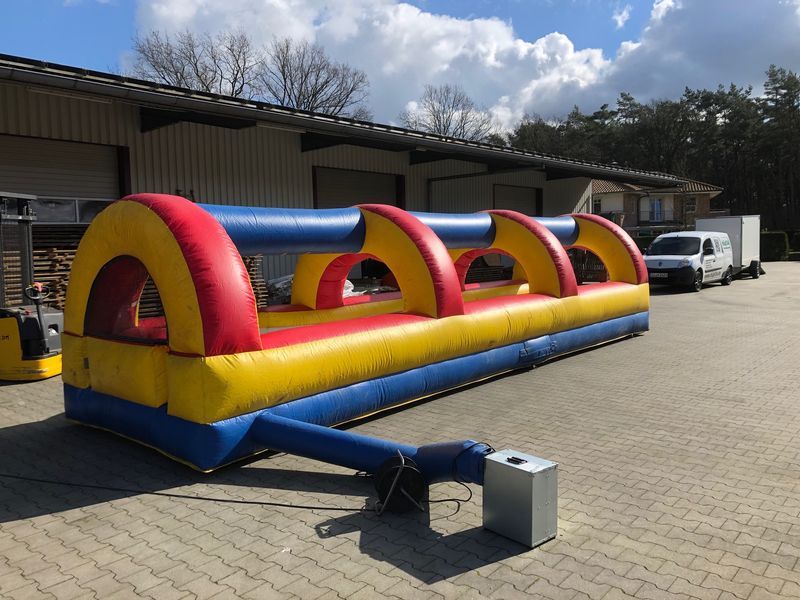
207,389
128,371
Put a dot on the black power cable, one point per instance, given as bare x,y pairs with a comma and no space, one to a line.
458,501
108,488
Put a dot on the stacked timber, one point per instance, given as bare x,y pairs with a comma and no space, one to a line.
51,267
255,269
150,301
54,248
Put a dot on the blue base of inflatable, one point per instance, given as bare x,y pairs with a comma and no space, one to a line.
300,426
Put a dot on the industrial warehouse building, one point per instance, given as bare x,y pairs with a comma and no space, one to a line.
78,139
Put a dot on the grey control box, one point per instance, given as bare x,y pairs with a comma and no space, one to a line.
520,497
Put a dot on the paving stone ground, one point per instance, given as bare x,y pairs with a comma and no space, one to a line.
679,456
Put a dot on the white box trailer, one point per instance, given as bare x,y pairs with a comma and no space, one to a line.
745,234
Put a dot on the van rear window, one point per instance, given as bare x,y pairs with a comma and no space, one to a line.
675,246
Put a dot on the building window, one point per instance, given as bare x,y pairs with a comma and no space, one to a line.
597,205
52,209
651,210
690,205
656,210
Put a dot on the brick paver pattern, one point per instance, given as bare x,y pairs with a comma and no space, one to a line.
679,456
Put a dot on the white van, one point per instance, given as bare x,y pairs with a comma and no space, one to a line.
690,258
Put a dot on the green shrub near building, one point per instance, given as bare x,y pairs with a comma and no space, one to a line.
774,245
794,241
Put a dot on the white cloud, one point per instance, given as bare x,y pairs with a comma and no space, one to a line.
696,43
662,7
795,3
621,15
627,47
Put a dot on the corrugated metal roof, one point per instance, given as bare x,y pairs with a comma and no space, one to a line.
685,186
148,93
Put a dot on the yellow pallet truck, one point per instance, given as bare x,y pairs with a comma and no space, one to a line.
30,339
30,332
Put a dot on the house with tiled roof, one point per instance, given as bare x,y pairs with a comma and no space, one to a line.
646,210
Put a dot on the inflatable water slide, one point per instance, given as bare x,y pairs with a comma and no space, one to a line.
216,379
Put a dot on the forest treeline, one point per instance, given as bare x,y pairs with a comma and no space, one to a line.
749,145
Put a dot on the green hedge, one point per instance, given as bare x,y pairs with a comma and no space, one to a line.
774,245
794,241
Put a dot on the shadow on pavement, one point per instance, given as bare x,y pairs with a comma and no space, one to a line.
57,450
409,543
668,290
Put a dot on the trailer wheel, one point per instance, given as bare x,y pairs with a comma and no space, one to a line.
755,269
727,279
697,283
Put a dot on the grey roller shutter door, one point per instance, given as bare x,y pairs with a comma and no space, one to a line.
339,188
55,168
525,200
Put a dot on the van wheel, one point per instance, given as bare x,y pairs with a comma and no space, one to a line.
755,269
697,284
727,279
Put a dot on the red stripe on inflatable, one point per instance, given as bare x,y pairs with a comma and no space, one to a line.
590,288
149,328
566,275
446,288
484,285
281,308
630,247
227,305
322,331
369,298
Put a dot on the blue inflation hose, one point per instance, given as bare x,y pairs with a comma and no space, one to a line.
446,461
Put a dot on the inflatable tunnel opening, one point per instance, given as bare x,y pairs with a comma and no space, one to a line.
124,304
588,266
352,278
491,267
373,277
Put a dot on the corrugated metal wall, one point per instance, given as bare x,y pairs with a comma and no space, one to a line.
258,166
472,194
564,196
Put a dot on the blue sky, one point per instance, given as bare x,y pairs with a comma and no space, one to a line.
87,34
587,23
514,57
95,34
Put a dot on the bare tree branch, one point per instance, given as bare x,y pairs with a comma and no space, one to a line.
301,75
294,74
225,64
447,110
